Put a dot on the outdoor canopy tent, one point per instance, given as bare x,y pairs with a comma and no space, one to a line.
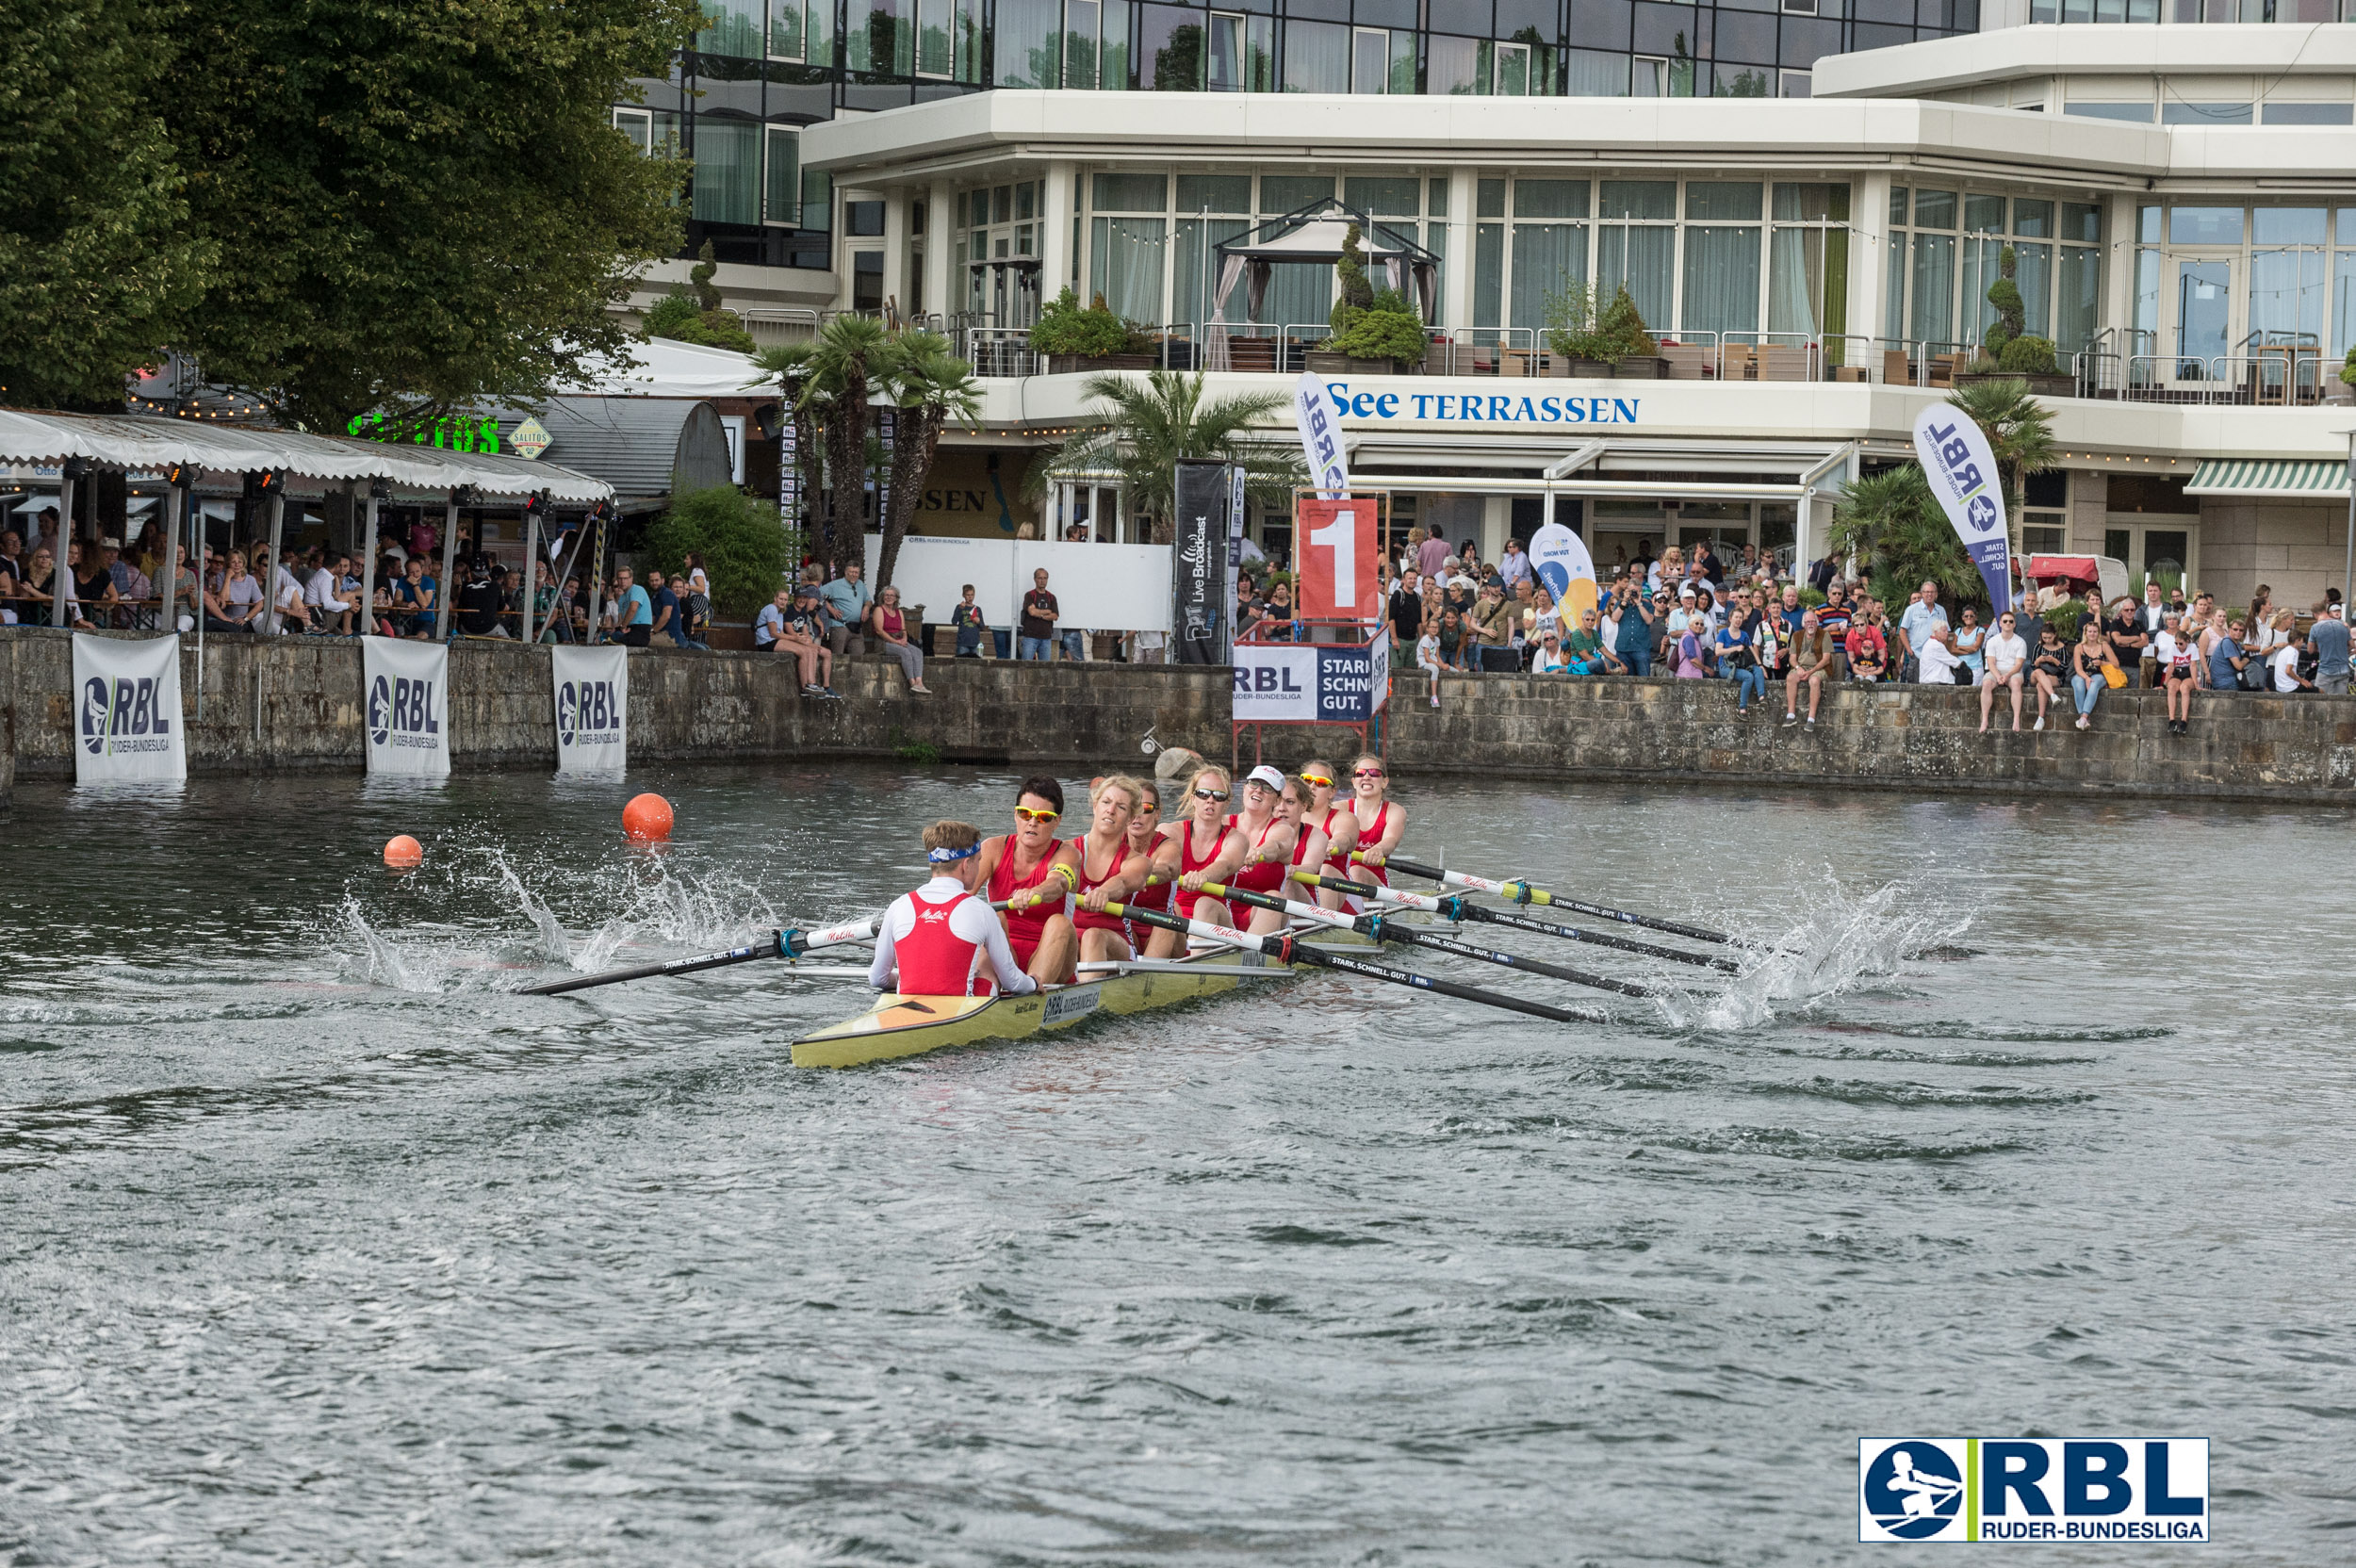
1316,233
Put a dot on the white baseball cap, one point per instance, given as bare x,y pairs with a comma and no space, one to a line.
1267,777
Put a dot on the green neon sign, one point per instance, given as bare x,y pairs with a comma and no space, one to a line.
457,433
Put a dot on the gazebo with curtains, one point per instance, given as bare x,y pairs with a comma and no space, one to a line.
1313,234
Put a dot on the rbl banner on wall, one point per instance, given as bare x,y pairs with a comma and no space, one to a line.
1296,683
406,688
592,708
127,722
1336,551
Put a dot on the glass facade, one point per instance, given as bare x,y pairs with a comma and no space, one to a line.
1946,251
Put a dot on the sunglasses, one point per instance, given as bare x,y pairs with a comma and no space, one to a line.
1210,794
1031,814
1370,773
1318,779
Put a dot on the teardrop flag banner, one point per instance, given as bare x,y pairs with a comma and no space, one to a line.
1955,455
1561,560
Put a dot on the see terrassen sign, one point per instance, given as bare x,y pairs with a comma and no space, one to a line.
1479,408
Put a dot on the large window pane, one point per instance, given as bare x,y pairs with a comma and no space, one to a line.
936,38
1595,75
1980,258
1028,43
1721,277
1488,274
1933,289
2077,299
1317,56
1895,287
1642,261
817,200
1080,23
1286,192
1796,282
1707,201
785,29
1549,198
1125,266
1652,199
2343,302
1214,193
783,181
1129,192
1452,67
1194,273
2204,225
2287,226
1379,196
882,38
1112,57
2034,265
735,29
1547,258
728,171
2286,293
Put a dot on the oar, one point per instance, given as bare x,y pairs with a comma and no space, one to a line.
785,945
1522,893
1285,950
1456,908
1382,930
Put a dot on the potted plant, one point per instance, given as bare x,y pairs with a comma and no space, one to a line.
1375,332
1074,338
1575,336
2346,390
1633,353
2009,352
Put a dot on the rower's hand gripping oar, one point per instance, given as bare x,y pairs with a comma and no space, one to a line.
1285,950
1381,931
1522,893
1456,908
785,945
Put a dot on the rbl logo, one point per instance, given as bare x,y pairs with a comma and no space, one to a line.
1981,513
402,706
1955,455
589,711
121,707
2140,1489
1265,677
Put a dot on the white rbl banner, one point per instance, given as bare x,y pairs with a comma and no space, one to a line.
592,708
127,722
407,688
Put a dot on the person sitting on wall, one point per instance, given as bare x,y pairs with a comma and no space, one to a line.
804,636
1868,649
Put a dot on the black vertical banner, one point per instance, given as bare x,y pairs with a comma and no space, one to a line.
1199,620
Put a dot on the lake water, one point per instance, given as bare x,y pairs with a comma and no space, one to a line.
316,1244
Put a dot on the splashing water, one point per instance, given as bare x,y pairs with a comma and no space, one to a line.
1841,942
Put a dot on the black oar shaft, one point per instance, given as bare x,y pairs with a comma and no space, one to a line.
649,971
1455,907
1433,874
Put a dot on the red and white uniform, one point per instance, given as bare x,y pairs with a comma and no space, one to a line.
1025,928
1187,865
1155,896
1339,865
1371,836
1260,876
936,940
1092,920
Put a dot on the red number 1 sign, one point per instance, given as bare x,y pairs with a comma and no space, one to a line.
1337,542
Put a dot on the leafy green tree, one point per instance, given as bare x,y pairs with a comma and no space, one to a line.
98,261
1147,425
2019,437
930,387
415,202
1893,525
741,540
1090,332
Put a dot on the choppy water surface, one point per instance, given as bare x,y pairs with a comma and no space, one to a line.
316,1244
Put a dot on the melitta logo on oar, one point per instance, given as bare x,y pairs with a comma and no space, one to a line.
2095,1489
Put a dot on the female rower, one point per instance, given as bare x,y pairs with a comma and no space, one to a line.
1110,870
1335,822
1145,839
1205,848
1033,874
1297,806
1382,822
1271,837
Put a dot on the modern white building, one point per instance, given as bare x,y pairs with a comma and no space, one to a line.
2178,196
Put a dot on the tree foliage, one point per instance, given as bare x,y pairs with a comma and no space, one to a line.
742,542
1893,525
98,261
930,387
1147,425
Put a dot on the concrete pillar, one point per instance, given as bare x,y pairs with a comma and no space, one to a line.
1060,258
1456,277
941,234
895,253
1869,267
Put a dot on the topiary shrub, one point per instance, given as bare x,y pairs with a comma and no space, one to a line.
1357,294
1093,332
741,540
694,315
1387,328
2028,356
1622,329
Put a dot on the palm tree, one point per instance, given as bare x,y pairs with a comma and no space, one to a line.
1892,524
787,368
2019,432
837,385
1147,427
930,387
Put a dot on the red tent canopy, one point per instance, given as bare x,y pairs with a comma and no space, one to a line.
2075,568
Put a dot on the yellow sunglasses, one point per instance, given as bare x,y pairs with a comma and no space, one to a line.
1031,814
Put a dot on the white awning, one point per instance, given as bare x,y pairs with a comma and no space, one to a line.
1318,241
2290,479
146,442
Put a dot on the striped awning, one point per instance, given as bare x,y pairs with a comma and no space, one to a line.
2292,477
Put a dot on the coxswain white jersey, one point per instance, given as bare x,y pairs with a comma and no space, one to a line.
972,920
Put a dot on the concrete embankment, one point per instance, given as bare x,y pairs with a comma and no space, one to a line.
297,703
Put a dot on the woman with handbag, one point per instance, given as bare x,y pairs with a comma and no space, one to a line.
2091,667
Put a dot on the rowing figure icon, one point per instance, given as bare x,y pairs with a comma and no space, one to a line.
1149,745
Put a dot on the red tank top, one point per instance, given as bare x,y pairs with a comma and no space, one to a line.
934,960
1025,928
1090,920
1374,836
1187,865
1260,876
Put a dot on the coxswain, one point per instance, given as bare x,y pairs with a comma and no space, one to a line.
1339,826
1382,822
1269,838
1145,839
1111,869
1031,874
1205,848
935,941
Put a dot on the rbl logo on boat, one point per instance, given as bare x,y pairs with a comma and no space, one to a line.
2123,1489
122,715
588,713
400,713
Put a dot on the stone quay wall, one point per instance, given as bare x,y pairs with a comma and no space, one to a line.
296,703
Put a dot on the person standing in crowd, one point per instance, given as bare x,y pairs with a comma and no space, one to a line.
634,611
1432,554
1636,629
2328,637
2008,659
1514,565
966,619
1491,623
1406,609
1914,628
847,603
2148,618
892,626
1039,614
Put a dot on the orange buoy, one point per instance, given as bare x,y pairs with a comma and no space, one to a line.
403,853
647,817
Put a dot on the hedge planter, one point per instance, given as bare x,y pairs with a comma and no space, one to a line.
1579,369
1077,365
1322,362
1644,368
2039,386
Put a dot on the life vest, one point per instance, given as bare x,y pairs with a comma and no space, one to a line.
934,960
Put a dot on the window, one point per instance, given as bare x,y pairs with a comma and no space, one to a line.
863,217
1513,71
1595,75
2175,113
1226,55
935,38
817,200
732,27
2204,225
1369,61
782,177
1799,84
728,171
786,35
1316,57
1029,52
1637,246
867,280
1808,265
1129,193
1721,292
1125,264
1548,256
882,42
2310,114
1386,197
2138,113
1650,78
1081,20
